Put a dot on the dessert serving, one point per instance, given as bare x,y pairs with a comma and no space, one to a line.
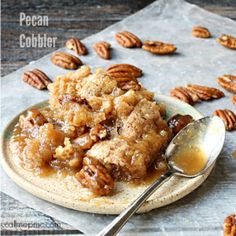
94,130
100,140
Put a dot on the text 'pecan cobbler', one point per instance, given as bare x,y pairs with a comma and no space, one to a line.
93,129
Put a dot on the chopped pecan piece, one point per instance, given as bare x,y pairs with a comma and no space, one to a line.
95,176
36,78
227,41
201,32
228,82
103,49
134,85
32,118
66,60
123,72
76,45
178,122
98,132
230,225
128,40
84,141
234,100
229,118
157,47
70,98
204,92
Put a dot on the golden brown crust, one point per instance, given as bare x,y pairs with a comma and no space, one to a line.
128,40
138,134
228,82
201,32
227,41
76,45
229,118
230,225
36,78
65,60
103,49
160,48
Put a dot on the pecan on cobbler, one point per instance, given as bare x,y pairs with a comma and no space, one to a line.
95,176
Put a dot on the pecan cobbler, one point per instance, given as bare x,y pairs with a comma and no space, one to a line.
92,129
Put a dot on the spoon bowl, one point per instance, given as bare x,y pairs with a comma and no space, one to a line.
204,137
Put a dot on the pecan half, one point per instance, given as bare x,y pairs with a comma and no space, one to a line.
36,78
201,32
193,93
123,72
76,45
204,92
234,100
228,82
95,176
133,84
65,98
128,40
66,60
230,225
184,95
160,48
103,49
229,118
227,41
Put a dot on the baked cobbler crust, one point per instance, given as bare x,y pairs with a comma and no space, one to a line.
94,130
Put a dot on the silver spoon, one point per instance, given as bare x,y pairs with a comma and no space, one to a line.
206,134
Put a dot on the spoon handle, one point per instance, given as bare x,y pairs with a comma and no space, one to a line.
115,226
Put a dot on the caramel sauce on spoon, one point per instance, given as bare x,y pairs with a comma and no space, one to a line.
190,160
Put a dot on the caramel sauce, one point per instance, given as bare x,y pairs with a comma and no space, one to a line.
191,160
46,171
152,174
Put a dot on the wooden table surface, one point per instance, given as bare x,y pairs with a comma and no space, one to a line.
66,18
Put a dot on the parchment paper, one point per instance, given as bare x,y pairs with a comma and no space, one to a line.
198,61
